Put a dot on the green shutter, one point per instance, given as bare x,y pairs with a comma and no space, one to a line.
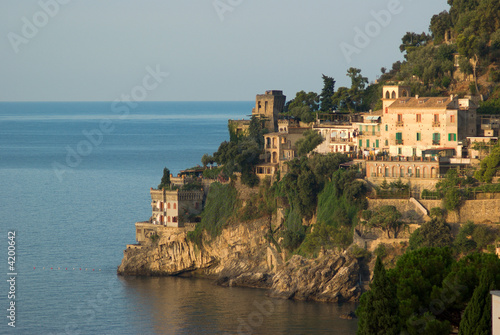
360,143
367,143
399,136
376,143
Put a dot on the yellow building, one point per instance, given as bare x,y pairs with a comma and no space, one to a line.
411,125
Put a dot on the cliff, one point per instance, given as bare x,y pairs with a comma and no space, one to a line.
242,256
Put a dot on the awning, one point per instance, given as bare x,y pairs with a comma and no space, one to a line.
373,117
343,135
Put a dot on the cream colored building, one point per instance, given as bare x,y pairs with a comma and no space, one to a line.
279,147
170,207
369,133
411,125
495,312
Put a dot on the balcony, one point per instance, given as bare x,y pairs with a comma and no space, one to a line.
399,142
400,124
436,142
436,124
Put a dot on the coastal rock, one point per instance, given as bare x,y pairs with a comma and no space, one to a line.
239,256
332,277
242,256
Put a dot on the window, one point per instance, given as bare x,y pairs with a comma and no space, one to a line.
386,143
419,117
360,143
436,118
168,205
399,138
386,127
419,136
376,143
436,138
417,172
373,130
452,137
175,205
400,117
452,118
414,151
399,151
367,143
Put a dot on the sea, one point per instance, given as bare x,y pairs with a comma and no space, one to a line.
74,178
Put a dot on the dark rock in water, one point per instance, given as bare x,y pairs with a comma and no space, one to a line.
348,316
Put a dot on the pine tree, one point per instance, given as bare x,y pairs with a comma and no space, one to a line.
378,309
476,319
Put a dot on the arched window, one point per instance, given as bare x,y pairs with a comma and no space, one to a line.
175,205
168,219
387,95
168,205
402,172
174,219
393,95
405,93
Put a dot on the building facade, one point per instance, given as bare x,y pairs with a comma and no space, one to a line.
172,207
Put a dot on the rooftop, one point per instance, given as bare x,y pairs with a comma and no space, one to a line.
422,102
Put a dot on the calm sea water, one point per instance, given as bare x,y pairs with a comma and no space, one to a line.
74,177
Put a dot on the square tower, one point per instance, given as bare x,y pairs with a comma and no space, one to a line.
268,106
391,93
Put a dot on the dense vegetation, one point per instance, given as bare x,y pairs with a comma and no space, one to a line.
220,206
426,293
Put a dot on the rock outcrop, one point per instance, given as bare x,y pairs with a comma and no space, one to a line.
242,256
239,256
332,277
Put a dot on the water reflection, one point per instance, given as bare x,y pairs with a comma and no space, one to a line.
195,306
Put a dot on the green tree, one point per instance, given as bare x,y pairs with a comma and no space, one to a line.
327,93
378,308
165,179
476,319
440,23
489,166
433,233
413,40
387,218
415,275
463,242
207,159
310,140
303,107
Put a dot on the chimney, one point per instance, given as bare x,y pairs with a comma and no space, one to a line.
416,96
451,96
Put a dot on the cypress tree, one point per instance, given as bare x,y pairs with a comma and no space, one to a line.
477,315
378,309
165,180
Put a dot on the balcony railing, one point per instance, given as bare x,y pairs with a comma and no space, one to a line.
400,124
436,142
436,124
399,142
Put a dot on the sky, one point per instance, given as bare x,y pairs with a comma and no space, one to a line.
196,50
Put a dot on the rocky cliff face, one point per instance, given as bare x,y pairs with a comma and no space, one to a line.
241,256
332,277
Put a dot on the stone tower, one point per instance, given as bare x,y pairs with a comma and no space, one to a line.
391,93
268,106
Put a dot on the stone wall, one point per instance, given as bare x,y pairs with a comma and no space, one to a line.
477,211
